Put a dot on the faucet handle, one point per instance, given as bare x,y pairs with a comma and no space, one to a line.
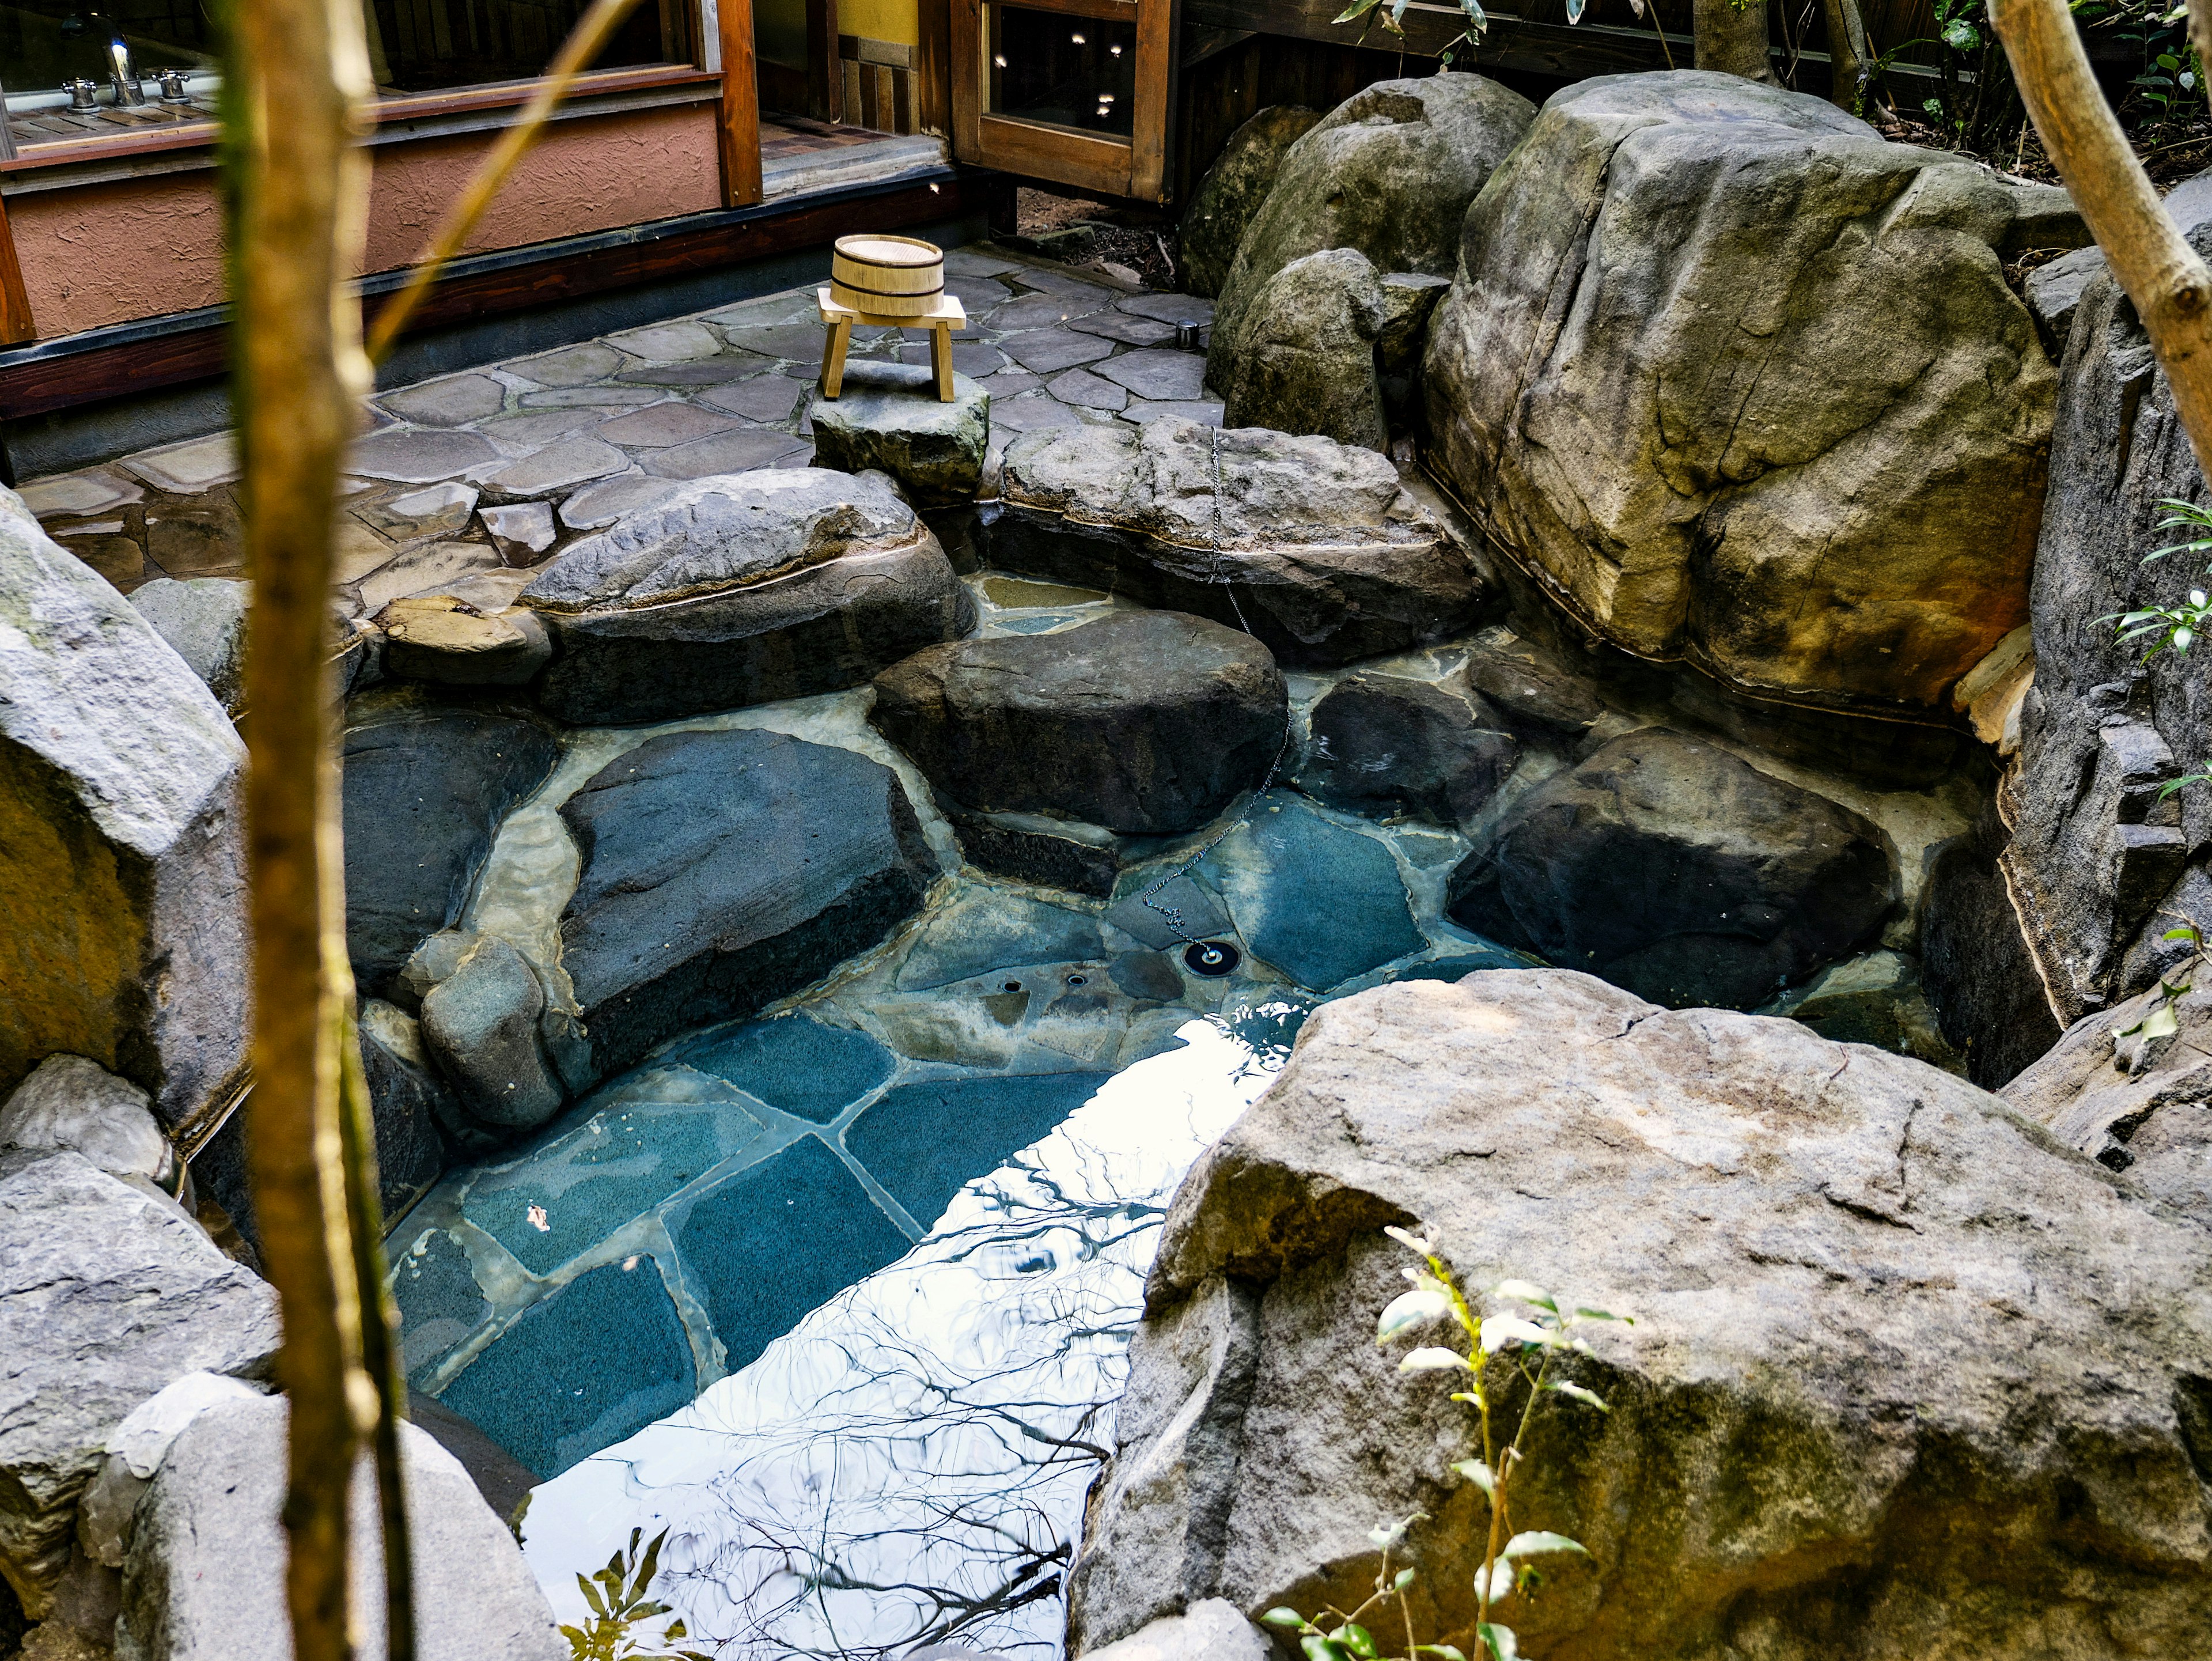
173,90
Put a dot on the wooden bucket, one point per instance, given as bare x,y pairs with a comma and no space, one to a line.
887,276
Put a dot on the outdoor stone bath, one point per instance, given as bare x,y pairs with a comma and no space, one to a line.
907,955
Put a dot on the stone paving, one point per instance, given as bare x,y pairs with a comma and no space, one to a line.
499,467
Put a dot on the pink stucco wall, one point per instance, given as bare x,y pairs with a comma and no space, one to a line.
106,253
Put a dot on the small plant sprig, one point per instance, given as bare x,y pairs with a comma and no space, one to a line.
620,1607
2174,626
1499,1348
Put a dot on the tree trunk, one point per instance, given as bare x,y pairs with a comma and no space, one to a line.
1733,39
296,76
2169,284
1848,57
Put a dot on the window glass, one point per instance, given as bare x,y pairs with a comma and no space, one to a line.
1063,70
423,45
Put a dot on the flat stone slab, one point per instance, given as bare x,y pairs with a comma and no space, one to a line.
1092,391
887,417
437,511
662,424
520,531
923,1141
408,456
1320,903
740,589
795,1064
597,505
706,372
723,869
758,398
1159,374
668,343
742,450
1143,723
1327,555
1207,411
1170,308
571,366
1044,310
87,492
557,467
1046,350
1034,412
451,401
1129,330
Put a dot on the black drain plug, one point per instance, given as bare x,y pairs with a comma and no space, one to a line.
1212,958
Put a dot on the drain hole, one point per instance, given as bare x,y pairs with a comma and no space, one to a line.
1212,958
1013,986
1076,980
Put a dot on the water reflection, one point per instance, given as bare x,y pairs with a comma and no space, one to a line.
909,1465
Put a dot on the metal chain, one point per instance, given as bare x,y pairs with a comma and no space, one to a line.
1172,914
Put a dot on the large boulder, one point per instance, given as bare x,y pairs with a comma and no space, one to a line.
738,589
2131,1087
122,845
204,1576
108,1292
2100,864
1382,744
203,620
1743,382
1232,191
1667,865
426,785
887,418
1389,172
407,1100
723,869
1145,722
482,1026
1308,360
1901,1367
1314,546
70,1102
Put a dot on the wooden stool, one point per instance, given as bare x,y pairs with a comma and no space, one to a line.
940,321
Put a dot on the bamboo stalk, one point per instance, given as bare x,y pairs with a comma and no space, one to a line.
577,53
2170,286
295,88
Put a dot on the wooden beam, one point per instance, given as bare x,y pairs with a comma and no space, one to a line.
738,129
1150,108
968,91
15,326
932,68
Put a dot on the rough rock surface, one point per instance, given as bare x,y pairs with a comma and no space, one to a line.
122,845
1145,722
407,1100
1903,1368
204,1579
1212,1629
480,1025
740,589
1381,744
447,641
1876,1000
1313,544
2101,866
1745,381
108,1292
2136,1100
70,1102
886,418
425,786
1538,698
1389,172
1307,363
1667,865
1232,191
203,620
723,869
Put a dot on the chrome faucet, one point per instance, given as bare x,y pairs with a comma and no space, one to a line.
123,72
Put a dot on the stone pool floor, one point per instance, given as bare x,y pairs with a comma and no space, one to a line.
499,466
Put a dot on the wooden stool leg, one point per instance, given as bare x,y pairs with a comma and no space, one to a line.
833,357
940,357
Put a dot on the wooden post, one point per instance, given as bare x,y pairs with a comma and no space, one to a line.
15,326
825,76
740,119
932,68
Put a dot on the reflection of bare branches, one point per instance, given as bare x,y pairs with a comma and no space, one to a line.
910,1465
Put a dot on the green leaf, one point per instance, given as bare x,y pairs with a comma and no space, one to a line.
1387,1535
1409,1309
1479,1474
1539,1542
2186,931
591,1596
1499,1330
1433,1358
1318,1648
1584,1312
1499,1642
1576,1393
1357,1639
1284,1617
1445,1651
1528,1292
1402,1580
1355,11
1501,1581
1962,36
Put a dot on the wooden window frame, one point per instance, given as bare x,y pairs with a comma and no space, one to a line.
1134,167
